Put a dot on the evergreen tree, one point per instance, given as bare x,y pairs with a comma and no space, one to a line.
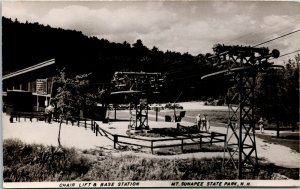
278,95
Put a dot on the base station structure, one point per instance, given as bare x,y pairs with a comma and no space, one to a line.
137,87
241,66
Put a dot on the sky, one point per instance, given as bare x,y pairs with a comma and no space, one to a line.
184,26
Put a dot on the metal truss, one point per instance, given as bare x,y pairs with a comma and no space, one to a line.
140,85
241,143
138,81
241,66
139,116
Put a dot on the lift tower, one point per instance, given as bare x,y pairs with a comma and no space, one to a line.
241,66
139,85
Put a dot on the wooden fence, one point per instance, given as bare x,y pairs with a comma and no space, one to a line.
213,137
38,115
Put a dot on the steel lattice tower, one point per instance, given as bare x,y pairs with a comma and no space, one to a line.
241,122
241,65
139,85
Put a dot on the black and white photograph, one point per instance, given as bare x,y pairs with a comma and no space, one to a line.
150,94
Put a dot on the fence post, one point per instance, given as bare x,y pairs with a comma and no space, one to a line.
97,129
85,122
152,146
211,137
11,119
91,124
182,145
67,121
115,141
200,141
78,121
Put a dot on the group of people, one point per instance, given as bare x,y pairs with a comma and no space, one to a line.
202,122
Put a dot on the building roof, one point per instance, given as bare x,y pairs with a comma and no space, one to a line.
29,69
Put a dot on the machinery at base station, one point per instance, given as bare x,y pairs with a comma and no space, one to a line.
139,115
241,65
137,87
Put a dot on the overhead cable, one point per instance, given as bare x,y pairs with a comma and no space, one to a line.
277,38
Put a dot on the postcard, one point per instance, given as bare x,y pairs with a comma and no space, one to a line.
150,94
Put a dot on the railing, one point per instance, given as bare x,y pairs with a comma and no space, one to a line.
29,115
211,138
38,115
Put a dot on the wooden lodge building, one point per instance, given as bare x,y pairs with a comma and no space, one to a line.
28,89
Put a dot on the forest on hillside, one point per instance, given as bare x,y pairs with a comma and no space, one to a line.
26,44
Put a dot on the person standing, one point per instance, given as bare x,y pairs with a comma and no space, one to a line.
49,111
198,121
261,125
204,123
